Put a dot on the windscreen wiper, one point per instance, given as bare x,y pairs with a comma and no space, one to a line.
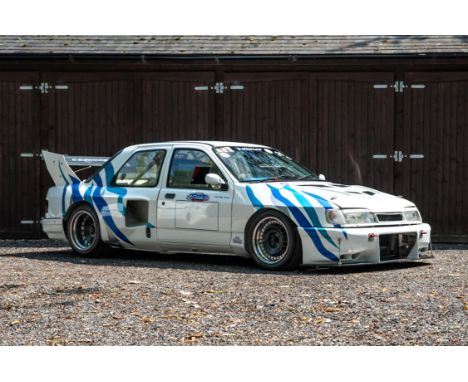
274,178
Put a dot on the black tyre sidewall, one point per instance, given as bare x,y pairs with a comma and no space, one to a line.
96,248
294,255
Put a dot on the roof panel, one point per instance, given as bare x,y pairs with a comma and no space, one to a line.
234,45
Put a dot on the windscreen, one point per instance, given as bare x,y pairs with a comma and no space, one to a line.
257,164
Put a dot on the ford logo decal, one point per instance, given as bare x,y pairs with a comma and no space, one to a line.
198,197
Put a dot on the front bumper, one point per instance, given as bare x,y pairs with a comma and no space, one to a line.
369,245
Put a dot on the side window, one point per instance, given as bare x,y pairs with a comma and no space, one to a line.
142,169
189,168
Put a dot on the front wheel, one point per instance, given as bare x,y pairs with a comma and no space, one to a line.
273,241
83,232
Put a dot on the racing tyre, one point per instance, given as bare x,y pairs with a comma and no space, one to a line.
83,232
273,241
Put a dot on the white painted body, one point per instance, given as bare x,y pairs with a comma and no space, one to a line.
217,225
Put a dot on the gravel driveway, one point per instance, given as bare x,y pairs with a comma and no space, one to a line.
49,296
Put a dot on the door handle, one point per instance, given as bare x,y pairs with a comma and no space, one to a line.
169,196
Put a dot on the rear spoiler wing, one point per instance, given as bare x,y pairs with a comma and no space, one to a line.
59,166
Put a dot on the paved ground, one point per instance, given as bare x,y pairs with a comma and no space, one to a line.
49,296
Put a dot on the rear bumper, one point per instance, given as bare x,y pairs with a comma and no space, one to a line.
53,228
369,245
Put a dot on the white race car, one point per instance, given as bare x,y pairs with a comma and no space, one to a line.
226,198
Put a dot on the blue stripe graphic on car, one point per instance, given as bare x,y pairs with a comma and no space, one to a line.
64,191
88,195
304,223
76,196
253,199
324,202
103,209
109,171
310,210
121,192
327,205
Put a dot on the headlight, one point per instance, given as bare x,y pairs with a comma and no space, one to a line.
335,217
350,217
359,217
412,216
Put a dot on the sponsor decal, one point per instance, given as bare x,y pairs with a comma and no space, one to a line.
198,197
237,240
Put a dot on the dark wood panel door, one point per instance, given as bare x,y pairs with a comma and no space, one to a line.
436,127
274,109
19,148
355,126
91,113
177,106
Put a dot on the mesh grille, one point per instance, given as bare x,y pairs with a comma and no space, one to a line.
390,217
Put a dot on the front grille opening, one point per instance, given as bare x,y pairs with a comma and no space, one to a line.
390,217
396,246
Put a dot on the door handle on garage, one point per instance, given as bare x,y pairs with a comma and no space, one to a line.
169,196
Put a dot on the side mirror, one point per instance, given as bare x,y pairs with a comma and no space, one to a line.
214,179
321,177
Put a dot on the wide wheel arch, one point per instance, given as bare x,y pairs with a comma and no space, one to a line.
264,211
71,209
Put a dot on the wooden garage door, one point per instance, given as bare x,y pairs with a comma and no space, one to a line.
275,109
100,113
355,124
177,106
90,113
19,147
436,136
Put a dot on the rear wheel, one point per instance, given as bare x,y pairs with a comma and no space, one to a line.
84,233
273,241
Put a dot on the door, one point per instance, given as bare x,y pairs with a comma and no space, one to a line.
338,124
274,109
355,125
132,195
174,108
192,213
21,201
434,144
90,113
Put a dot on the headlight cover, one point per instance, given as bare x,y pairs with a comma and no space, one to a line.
412,216
351,217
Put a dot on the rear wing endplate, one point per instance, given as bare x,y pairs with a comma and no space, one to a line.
59,166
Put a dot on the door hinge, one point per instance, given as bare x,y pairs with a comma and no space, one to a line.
43,87
399,86
30,155
398,156
25,221
236,87
219,87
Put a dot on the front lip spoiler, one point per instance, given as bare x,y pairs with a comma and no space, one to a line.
361,264
380,225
